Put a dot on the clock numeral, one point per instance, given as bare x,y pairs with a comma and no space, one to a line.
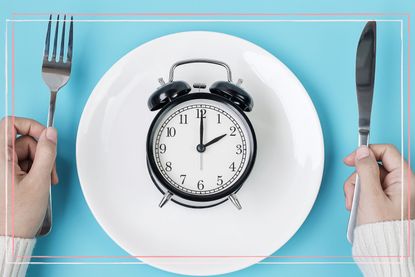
183,119
201,112
220,181
219,118
184,178
233,131
163,148
238,149
232,167
200,185
168,166
171,131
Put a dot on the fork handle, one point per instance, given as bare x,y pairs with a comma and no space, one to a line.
51,114
47,221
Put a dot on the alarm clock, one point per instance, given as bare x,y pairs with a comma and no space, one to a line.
201,146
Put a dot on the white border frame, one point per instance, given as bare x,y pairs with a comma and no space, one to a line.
223,20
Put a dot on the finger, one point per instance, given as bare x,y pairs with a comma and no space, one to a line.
389,156
44,161
11,126
349,160
382,174
55,177
349,190
368,170
25,148
386,153
26,151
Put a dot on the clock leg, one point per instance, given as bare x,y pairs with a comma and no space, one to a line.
235,201
165,199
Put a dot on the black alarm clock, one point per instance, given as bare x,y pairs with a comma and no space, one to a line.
201,146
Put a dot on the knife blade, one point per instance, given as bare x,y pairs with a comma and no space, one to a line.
365,82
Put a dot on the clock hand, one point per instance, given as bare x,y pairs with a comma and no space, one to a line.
214,140
201,129
200,147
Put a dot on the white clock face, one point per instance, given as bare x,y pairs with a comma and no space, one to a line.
202,146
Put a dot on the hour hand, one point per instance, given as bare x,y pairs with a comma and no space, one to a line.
214,140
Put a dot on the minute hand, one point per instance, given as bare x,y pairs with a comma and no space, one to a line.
201,129
214,140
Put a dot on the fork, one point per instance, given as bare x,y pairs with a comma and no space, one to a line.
55,73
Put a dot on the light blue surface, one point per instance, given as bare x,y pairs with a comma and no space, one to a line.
321,55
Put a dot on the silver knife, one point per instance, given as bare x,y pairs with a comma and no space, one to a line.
365,82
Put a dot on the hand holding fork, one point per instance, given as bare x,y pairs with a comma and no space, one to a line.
55,73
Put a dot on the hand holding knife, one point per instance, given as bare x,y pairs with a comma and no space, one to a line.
365,81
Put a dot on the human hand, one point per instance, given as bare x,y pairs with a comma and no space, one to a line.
31,166
381,184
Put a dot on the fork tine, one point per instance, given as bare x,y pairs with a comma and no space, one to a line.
55,41
62,39
70,41
47,42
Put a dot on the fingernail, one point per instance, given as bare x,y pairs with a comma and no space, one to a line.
51,134
362,152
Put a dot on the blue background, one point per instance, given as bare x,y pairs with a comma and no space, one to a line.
322,55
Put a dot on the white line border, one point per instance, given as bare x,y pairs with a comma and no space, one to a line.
239,21
207,263
6,112
207,20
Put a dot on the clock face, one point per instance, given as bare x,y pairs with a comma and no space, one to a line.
202,146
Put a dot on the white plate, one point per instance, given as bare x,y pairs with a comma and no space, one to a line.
276,198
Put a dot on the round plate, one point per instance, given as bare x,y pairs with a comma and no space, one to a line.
277,196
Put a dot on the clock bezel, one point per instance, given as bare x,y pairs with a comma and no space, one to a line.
160,180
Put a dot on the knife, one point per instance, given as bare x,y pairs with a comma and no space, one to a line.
365,81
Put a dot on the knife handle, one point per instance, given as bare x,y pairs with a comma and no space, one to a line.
363,140
353,211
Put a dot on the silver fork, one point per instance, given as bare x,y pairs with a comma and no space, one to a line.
55,73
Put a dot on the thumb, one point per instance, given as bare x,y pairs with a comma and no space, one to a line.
45,155
368,171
